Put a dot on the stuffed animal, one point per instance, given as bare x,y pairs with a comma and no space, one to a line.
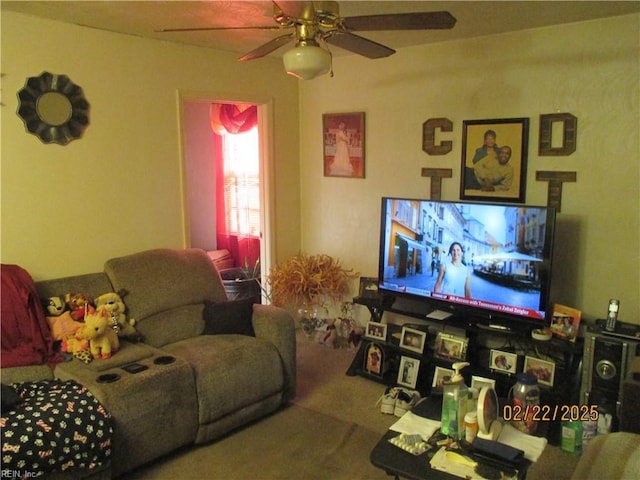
113,304
103,341
65,329
54,306
79,305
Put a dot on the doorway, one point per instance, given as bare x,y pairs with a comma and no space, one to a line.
201,177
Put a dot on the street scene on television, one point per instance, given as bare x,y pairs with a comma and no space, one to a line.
487,256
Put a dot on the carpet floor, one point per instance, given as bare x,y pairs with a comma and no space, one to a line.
294,443
326,434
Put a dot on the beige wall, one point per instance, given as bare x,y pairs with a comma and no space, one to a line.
66,209
199,174
118,190
590,69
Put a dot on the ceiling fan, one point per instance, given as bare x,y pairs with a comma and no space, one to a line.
317,23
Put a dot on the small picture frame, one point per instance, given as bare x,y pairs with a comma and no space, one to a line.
368,287
479,382
412,339
343,144
450,347
565,322
408,372
376,331
374,360
543,370
438,376
505,362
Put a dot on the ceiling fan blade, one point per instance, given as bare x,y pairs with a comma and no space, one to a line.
401,21
296,9
360,45
204,29
267,48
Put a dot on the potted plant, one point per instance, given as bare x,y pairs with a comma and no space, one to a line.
243,282
308,283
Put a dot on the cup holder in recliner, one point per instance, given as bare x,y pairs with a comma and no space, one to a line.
108,378
164,360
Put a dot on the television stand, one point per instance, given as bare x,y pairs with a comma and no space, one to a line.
482,339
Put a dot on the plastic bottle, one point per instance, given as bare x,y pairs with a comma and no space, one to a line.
572,437
454,403
589,430
525,394
470,426
448,404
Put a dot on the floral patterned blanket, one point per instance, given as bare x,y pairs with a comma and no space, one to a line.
59,426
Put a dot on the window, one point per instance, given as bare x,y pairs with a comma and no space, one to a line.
242,183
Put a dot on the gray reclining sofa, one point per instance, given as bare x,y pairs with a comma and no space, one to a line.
196,386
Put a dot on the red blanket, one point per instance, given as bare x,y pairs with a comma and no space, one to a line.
26,338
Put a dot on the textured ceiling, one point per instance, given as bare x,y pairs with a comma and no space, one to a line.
145,18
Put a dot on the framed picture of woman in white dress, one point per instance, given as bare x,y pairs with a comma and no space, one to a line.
343,144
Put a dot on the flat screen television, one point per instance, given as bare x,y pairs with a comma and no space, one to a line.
489,261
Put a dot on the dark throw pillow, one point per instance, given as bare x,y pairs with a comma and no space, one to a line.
10,399
232,317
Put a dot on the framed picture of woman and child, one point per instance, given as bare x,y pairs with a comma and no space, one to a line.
494,159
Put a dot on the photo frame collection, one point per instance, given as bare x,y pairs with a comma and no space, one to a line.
447,347
494,154
506,362
494,151
375,363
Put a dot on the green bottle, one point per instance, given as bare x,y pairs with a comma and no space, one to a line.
454,403
448,403
572,437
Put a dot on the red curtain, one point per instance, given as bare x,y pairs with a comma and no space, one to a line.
231,118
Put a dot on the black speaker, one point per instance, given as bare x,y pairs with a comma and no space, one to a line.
606,361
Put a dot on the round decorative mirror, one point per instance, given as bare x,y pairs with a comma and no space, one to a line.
53,108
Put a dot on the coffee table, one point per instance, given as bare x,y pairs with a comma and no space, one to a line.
401,464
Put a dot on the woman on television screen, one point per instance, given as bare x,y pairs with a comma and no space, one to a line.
454,277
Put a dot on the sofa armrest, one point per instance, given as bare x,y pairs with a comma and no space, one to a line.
611,456
277,326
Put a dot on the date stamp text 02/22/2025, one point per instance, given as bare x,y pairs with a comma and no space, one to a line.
549,413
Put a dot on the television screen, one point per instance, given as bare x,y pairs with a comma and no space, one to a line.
494,259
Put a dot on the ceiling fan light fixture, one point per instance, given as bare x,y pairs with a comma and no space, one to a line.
307,61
